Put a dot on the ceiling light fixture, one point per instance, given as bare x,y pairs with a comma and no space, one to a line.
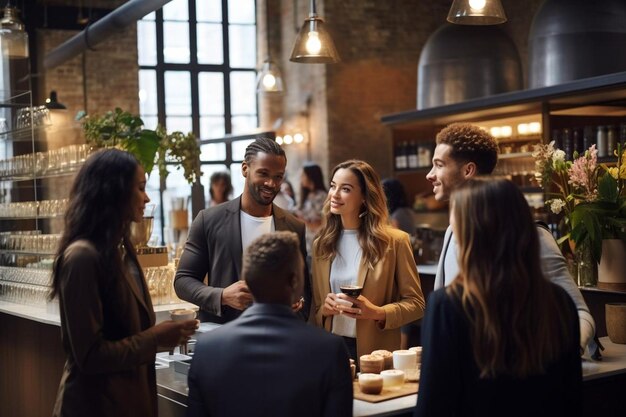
313,44
52,103
476,12
270,79
13,37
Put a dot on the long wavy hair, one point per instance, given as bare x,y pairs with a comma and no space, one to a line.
100,210
516,321
314,173
373,236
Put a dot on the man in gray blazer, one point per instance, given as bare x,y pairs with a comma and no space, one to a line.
462,152
218,236
268,362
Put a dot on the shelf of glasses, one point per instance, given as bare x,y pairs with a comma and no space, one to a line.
33,217
25,252
515,155
31,276
39,176
23,134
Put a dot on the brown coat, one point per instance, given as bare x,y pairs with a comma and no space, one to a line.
393,284
110,348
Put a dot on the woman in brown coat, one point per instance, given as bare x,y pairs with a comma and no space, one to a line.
107,320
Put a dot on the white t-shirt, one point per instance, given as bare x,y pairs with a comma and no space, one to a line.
253,227
344,271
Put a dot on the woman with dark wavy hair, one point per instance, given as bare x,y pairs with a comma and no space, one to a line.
107,320
312,197
357,246
500,339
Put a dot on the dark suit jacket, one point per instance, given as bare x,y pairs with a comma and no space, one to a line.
110,348
269,363
450,383
214,248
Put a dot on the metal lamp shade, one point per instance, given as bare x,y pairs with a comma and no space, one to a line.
13,38
270,80
313,44
476,12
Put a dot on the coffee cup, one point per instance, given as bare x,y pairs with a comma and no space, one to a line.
371,364
351,290
387,358
392,379
353,370
404,360
370,383
182,314
418,351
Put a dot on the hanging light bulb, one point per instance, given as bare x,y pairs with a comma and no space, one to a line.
269,80
313,44
52,103
476,12
13,37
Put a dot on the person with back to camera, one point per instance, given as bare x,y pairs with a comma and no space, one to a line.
312,197
400,214
218,236
107,320
462,152
356,246
267,362
220,188
500,340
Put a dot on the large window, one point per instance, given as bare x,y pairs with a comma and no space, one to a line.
197,73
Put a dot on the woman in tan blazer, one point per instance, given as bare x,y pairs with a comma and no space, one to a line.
356,246
107,320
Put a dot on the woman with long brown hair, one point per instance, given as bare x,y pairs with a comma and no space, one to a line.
501,339
107,320
356,246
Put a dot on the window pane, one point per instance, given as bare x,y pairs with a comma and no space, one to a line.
176,188
209,10
150,122
210,43
178,124
213,152
146,43
243,93
176,10
152,189
176,42
212,127
241,11
239,149
149,16
243,124
147,93
242,46
177,93
207,171
237,179
211,93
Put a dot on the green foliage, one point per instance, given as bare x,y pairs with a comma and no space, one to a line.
123,130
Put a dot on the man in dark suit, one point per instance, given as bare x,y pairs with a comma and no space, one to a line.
268,362
219,234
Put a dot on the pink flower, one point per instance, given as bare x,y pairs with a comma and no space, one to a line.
583,174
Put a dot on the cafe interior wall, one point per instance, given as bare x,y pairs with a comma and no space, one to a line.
379,43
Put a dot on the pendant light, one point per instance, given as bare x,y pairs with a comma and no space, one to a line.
476,12
52,103
13,37
313,44
269,80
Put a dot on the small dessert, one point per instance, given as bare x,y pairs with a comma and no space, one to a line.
387,358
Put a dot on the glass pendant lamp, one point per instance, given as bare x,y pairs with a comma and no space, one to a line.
13,37
313,44
476,12
270,79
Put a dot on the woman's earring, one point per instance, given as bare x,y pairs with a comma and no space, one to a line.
363,214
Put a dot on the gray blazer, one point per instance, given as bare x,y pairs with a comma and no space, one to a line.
269,363
214,248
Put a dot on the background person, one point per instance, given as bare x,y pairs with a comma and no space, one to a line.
400,214
357,246
268,362
107,319
500,339
312,197
220,188
464,151
218,236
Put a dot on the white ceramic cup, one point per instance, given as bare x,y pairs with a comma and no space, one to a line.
370,383
392,379
404,360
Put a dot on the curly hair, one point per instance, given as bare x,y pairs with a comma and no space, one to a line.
470,143
373,235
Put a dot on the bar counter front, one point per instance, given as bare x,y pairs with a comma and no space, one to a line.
31,359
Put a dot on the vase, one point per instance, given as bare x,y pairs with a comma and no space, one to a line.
587,272
612,266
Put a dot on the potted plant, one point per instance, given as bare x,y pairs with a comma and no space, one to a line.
124,130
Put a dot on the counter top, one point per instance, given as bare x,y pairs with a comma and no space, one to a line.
174,385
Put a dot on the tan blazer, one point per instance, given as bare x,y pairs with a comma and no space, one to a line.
110,349
393,284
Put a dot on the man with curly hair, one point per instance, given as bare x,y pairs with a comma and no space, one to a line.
462,152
